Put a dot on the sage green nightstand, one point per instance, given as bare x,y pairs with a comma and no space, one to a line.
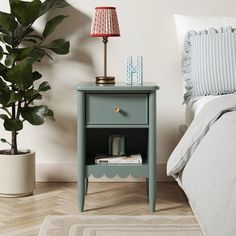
116,110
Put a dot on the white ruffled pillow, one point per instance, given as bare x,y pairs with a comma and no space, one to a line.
209,63
185,24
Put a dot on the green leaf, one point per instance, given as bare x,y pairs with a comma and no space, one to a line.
18,35
10,59
36,55
3,140
7,39
59,46
3,116
13,98
7,23
52,24
32,54
3,86
33,94
3,70
22,53
9,49
49,5
43,87
25,12
50,114
1,52
4,97
13,124
2,30
35,115
21,75
36,75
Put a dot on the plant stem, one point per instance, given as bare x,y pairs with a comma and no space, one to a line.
14,150
18,110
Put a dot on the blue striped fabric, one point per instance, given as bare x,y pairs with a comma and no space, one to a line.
209,63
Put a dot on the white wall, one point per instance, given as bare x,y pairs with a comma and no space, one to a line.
147,29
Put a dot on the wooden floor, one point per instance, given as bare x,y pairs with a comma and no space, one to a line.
23,216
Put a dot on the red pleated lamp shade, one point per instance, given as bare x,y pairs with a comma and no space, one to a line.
105,23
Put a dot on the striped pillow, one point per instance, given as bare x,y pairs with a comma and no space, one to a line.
209,63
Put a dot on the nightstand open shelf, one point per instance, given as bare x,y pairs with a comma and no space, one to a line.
97,141
117,109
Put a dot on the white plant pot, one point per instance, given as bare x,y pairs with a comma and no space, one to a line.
17,174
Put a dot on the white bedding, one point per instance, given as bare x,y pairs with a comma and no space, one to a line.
204,164
194,106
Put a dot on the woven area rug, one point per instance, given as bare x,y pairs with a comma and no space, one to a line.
76,225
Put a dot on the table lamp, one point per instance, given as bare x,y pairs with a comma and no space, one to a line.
105,24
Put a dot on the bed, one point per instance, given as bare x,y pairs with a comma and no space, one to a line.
194,106
204,161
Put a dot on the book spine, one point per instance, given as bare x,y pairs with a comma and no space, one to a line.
101,162
120,162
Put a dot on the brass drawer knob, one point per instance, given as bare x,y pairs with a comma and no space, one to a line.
117,109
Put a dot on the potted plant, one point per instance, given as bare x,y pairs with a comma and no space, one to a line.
20,86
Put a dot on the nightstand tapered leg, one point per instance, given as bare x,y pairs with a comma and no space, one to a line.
147,186
152,151
86,186
81,150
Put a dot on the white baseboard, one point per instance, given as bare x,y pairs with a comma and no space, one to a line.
66,172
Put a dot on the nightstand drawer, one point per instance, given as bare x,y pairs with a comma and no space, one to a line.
116,109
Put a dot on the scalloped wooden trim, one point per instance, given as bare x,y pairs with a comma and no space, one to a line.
123,171
67,172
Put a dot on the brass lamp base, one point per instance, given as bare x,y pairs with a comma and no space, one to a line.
105,80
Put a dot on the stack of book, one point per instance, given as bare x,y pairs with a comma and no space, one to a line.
128,159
